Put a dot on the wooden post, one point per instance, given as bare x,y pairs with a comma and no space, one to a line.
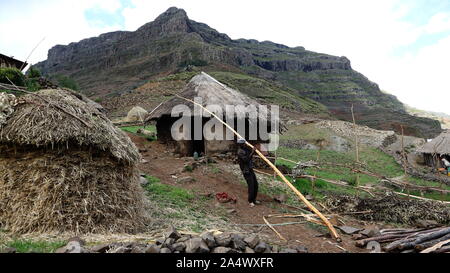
356,144
404,158
279,173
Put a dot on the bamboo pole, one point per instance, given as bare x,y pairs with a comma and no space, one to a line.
279,173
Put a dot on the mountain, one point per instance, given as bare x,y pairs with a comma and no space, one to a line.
117,63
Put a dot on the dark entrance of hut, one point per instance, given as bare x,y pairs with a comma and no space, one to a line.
198,146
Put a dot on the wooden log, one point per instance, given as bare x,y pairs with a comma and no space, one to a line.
425,237
380,239
431,243
444,249
435,247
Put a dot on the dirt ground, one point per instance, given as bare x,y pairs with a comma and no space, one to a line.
163,164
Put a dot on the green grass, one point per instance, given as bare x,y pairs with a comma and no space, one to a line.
374,159
26,246
134,129
168,194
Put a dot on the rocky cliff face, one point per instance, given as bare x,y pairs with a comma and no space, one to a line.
120,61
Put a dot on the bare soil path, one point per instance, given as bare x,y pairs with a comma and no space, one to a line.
163,164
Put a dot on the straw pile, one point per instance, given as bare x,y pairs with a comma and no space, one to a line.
65,167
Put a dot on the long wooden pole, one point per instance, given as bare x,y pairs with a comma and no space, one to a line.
356,144
279,173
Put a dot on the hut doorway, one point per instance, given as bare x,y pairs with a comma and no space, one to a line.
198,146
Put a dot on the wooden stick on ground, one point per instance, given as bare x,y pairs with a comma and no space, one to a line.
272,228
435,247
279,173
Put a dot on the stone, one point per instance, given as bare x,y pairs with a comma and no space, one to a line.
186,179
101,248
172,233
168,243
301,249
221,249
252,241
237,242
281,198
208,237
231,211
120,249
371,231
143,181
261,247
152,248
196,245
77,239
248,250
223,239
184,238
180,246
8,250
160,241
165,250
138,249
288,250
357,236
71,247
348,230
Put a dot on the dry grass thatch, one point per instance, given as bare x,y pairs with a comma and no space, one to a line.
38,123
67,168
212,92
439,145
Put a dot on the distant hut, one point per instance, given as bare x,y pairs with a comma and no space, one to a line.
65,167
6,61
137,114
211,92
435,148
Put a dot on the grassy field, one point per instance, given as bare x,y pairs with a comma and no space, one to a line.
374,160
134,129
34,246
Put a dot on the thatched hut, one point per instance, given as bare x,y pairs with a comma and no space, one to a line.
435,148
211,92
136,113
65,167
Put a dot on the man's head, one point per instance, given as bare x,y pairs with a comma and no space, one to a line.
240,141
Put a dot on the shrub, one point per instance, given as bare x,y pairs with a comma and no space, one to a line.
64,81
13,74
33,73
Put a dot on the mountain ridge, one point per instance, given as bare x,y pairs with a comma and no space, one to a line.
121,61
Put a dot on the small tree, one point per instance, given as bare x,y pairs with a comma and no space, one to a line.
33,73
64,81
14,75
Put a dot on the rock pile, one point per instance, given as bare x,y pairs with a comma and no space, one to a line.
367,136
174,242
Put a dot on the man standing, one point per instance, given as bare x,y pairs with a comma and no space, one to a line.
245,163
445,163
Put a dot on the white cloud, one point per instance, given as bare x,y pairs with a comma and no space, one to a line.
369,33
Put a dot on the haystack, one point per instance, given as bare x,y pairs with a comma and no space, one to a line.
65,167
136,113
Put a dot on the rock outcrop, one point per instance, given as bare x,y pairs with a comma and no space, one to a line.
118,62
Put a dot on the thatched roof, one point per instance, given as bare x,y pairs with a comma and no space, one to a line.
212,92
56,117
439,145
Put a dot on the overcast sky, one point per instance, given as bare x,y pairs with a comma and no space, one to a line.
402,45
